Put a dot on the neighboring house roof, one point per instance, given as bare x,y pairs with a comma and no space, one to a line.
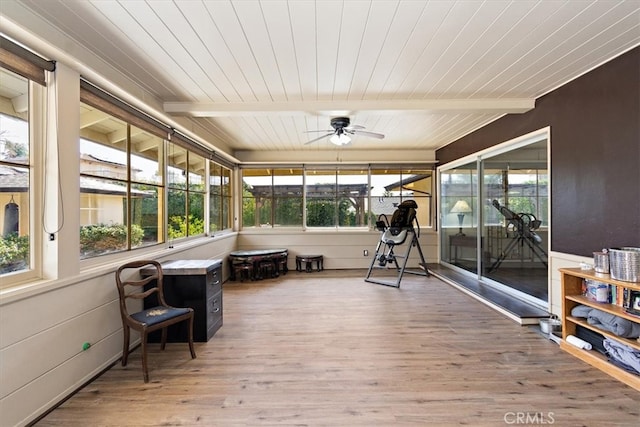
15,180
399,184
96,186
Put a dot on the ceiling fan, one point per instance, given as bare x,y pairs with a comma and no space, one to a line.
341,131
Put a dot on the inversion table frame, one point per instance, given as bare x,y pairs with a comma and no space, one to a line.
385,254
524,226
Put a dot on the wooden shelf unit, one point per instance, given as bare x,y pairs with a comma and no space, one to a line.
572,279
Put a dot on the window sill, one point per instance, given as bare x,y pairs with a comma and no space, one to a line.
100,266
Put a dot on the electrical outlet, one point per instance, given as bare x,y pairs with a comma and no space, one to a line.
365,252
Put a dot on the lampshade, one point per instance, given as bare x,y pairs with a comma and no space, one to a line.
461,206
340,139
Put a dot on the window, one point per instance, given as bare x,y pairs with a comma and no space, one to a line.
337,197
187,189
121,185
333,197
272,197
16,239
219,198
390,186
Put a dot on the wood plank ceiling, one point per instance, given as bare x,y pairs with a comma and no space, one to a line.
257,75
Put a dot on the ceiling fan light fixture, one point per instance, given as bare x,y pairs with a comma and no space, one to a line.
340,139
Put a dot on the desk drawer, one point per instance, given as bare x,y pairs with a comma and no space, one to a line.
214,314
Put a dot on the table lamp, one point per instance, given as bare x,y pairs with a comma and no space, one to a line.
461,207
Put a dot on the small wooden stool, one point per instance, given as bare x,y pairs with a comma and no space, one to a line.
266,268
308,260
281,264
243,270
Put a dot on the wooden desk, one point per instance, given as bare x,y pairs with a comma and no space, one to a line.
196,284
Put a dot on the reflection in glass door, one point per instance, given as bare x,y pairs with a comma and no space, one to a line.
458,216
496,227
515,222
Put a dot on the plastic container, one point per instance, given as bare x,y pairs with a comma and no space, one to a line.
598,291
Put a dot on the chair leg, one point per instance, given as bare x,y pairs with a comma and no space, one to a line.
163,341
193,351
125,345
145,369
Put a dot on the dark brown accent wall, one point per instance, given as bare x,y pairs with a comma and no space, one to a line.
595,155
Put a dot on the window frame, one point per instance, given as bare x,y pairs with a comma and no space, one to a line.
224,196
37,106
405,169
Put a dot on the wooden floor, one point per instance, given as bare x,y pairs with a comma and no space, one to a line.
328,349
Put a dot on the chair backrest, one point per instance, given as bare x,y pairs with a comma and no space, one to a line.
136,286
403,217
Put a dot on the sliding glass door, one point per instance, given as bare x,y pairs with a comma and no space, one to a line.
494,217
458,213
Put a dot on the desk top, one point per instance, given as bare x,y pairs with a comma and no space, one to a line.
181,267
256,252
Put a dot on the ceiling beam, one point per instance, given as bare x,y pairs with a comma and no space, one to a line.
337,108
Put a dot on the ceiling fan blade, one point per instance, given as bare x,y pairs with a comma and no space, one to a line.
354,127
319,138
366,133
322,130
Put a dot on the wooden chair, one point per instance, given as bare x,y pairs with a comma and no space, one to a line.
151,319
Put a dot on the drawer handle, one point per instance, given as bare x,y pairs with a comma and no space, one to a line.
216,309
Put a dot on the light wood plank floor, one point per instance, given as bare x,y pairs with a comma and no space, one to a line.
320,349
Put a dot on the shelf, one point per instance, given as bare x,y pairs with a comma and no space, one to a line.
599,361
601,277
572,280
606,307
628,341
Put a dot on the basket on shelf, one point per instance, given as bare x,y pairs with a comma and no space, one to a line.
624,264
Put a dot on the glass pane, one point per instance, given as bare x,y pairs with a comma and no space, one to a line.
458,216
515,190
215,197
392,186
177,171
146,215
226,219
215,178
14,173
215,212
352,197
226,213
321,198
257,191
103,227
147,158
226,182
196,172
219,198
177,212
14,139
103,144
287,199
14,240
196,214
